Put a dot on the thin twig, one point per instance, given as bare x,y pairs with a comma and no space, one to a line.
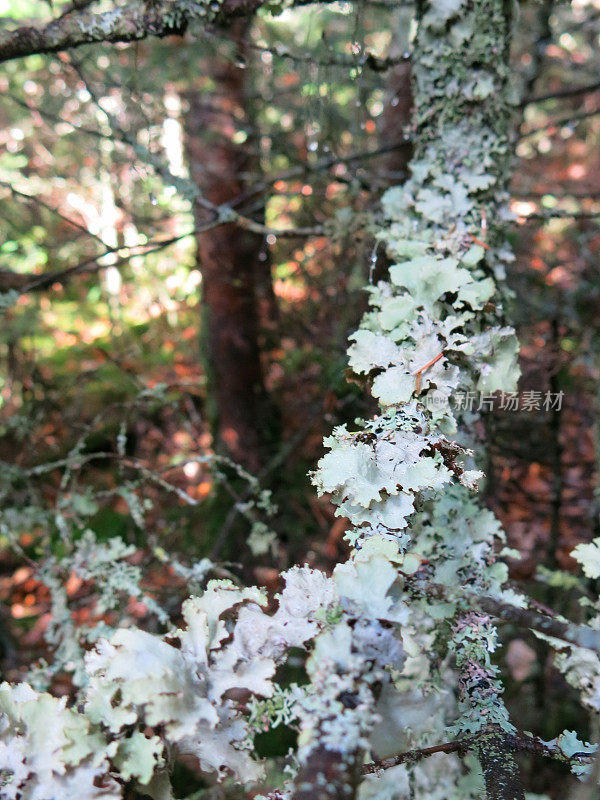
516,742
570,91
559,123
42,203
458,746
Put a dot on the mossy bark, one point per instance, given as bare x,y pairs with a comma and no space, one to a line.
500,769
454,197
463,106
463,112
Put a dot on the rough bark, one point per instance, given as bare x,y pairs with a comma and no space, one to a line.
500,769
228,258
392,167
396,117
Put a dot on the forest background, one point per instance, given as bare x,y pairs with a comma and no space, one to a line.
186,228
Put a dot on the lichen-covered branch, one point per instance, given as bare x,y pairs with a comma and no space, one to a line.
131,22
578,635
521,615
500,769
560,749
481,706
435,327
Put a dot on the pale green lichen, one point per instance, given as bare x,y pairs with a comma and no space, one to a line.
434,328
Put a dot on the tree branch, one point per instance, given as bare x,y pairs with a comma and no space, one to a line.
515,742
571,91
458,746
559,123
129,23
132,22
560,214
566,631
578,635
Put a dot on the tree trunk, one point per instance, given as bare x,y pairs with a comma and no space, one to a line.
396,117
393,166
500,770
458,182
230,263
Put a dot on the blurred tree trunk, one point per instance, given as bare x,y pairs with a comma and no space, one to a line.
392,167
397,115
233,262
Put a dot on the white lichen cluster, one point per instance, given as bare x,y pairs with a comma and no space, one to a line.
48,750
580,666
182,683
115,579
187,686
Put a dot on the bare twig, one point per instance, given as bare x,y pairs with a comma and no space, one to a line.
561,214
89,266
570,91
411,756
559,123
516,742
42,203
